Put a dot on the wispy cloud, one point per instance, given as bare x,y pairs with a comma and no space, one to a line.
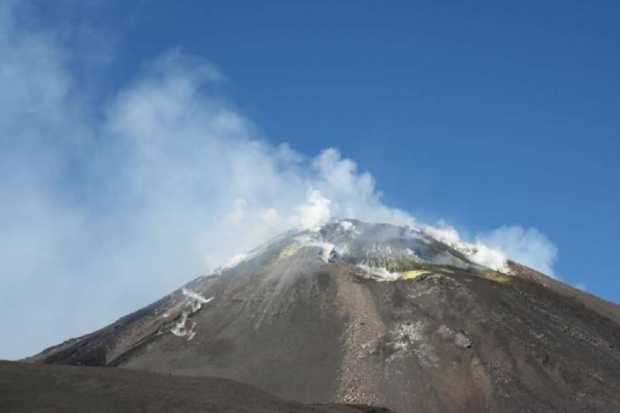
104,208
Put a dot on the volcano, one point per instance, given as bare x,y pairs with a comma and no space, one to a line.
375,314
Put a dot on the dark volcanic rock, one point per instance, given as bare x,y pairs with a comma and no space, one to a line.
377,315
36,388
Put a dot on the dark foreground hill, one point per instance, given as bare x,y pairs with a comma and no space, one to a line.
68,389
378,315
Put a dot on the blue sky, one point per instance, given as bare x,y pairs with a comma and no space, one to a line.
480,113
485,115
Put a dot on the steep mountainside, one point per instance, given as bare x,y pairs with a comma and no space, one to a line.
376,314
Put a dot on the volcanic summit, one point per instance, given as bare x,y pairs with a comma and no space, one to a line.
375,314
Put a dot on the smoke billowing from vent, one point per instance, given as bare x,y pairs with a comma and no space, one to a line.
105,206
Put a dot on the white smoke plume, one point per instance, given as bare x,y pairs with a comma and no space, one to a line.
493,249
105,207
527,246
478,252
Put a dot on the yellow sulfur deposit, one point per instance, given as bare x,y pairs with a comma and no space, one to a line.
410,275
497,276
290,250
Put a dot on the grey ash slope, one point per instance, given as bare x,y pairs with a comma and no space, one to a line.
376,314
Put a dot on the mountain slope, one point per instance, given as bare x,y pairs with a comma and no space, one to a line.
36,388
376,314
